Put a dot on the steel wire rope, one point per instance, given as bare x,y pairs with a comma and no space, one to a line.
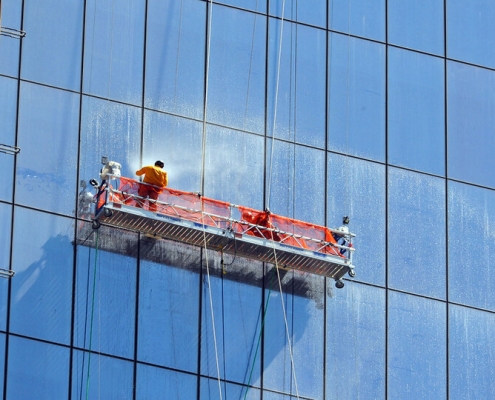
203,149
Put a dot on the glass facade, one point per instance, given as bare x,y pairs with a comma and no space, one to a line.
382,111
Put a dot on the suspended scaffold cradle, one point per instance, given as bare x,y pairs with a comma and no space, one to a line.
221,226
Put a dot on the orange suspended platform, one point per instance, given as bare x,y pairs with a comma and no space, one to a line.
197,220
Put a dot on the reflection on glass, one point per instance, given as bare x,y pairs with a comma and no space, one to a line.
48,137
467,23
37,369
355,349
416,105
175,56
416,233
416,24
9,47
178,142
253,5
358,17
471,349
416,347
356,189
154,383
210,389
296,94
41,298
8,118
471,245
300,11
113,49
356,97
234,167
96,376
5,231
52,48
296,182
470,117
236,81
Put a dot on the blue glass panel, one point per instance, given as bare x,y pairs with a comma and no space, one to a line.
158,383
253,5
8,119
302,319
296,83
234,167
469,25
5,232
105,298
41,298
178,142
98,377
109,129
356,97
2,357
356,343
168,315
48,136
113,49
416,24
358,17
175,56
9,47
416,111
351,185
471,100
236,81
236,309
211,389
416,233
416,347
471,349
37,370
313,13
296,182
51,50
471,245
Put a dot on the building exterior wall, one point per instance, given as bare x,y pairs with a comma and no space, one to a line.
382,110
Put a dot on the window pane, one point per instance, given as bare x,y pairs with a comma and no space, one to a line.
51,51
105,296
416,24
416,233
471,100
175,56
48,137
234,167
356,189
9,47
416,347
358,17
356,97
356,343
8,120
210,390
236,85
467,23
5,231
98,377
253,5
304,316
297,182
113,49
296,89
37,369
471,245
2,357
168,312
471,349
313,13
416,111
178,142
41,299
155,383
237,320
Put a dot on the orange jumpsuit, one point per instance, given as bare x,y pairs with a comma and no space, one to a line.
153,175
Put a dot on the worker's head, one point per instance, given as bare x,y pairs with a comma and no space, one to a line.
159,163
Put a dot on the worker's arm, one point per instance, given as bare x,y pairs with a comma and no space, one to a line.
141,171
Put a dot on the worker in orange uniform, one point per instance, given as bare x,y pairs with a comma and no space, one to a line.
156,180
